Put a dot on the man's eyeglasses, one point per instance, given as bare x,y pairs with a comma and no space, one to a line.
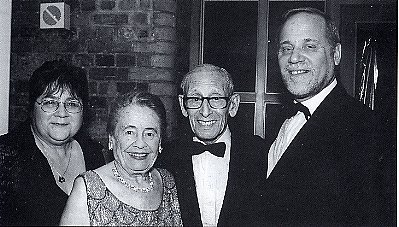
214,102
71,106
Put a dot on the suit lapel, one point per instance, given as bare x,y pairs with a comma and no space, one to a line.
186,187
311,133
232,176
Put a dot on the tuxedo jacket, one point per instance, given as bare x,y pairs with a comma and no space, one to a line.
327,175
28,192
247,164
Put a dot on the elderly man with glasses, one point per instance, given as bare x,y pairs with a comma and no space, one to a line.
215,168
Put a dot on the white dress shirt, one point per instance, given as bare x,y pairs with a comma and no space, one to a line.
210,174
292,126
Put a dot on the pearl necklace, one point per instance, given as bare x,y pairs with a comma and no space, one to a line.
134,188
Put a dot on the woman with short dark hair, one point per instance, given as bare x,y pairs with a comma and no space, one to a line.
40,159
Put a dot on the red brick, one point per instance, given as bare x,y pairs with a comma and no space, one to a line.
129,86
110,19
143,60
146,4
127,4
143,33
121,46
107,73
165,19
162,88
105,60
93,90
124,60
126,34
83,59
88,5
103,88
165,33
140,19
165,5
163,61
150,74
107,5
155,47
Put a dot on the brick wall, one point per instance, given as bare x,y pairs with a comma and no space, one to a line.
122,44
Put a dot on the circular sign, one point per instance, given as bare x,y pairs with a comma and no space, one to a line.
51,15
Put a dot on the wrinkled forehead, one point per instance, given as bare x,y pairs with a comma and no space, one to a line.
304,23
207,78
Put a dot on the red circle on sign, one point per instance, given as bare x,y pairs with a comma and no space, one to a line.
51,15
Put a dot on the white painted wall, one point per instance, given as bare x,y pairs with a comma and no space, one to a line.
5,44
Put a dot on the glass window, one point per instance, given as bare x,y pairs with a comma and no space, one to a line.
230,30
243,122
239,35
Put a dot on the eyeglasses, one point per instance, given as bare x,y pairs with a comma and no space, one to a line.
214,102
71,106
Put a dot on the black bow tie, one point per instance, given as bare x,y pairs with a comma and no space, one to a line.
216,149
292,109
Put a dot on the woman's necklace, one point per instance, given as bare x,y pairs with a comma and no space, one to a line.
134,188
61,178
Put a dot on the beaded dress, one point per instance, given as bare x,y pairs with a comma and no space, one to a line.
105,209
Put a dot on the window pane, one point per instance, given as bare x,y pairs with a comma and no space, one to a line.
273,119
230,30
243,122
276,10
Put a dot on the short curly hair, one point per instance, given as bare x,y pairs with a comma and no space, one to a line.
140,98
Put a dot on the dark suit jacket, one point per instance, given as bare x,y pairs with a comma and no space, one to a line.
247,160
327,174
28,193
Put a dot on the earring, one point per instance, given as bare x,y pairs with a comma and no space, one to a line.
160,149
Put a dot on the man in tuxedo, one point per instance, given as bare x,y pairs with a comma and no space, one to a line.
322,165
215,169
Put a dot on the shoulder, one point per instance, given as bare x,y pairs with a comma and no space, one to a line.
80,183
76,208
93,182
353,114
168,180
247,141
165,174
249,150
342,110
16,147
18,137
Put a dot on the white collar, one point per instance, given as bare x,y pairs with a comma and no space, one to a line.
315,101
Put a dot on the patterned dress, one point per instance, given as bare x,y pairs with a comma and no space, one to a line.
105,209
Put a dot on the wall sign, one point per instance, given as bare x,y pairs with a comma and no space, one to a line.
54,15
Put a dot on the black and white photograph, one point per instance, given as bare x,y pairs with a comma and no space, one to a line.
198,112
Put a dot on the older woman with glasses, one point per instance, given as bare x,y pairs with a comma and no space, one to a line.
40,159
